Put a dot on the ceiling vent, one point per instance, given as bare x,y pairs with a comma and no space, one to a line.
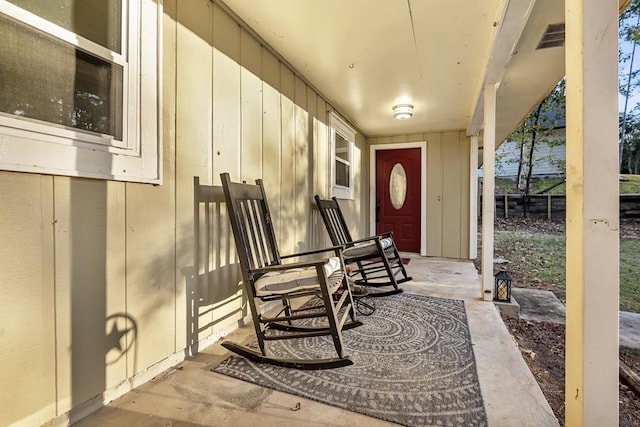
552,37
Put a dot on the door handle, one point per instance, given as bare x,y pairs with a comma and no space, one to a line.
377,210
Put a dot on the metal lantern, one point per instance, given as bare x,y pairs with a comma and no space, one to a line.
503,287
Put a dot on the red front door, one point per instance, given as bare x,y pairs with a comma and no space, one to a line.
398,196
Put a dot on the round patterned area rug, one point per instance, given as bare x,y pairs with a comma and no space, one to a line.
413,365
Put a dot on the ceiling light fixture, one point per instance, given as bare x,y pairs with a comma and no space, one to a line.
402,111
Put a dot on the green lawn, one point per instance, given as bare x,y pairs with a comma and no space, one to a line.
629,184
535,260
504,185
538,261
630,275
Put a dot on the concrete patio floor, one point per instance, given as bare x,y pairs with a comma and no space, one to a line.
191,395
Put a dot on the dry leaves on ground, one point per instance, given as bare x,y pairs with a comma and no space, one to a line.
542,344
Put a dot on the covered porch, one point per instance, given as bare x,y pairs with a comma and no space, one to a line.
100,257
191,395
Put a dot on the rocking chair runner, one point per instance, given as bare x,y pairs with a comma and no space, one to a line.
377,258
267,279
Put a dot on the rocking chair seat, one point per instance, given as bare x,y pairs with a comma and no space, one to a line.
368,248
299,279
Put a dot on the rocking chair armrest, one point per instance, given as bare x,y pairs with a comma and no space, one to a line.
363,240
290,266
314,251
385,234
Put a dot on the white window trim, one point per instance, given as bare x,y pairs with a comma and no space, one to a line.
338,125
31,146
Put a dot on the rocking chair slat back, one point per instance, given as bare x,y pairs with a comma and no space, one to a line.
253,229
335,222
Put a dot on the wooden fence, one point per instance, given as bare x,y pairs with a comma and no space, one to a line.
552,206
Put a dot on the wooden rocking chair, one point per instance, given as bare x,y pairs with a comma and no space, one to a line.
377,258
267,279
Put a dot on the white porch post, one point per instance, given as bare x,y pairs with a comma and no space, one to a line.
591,383
473,197
488,189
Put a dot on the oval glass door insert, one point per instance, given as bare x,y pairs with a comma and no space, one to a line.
398,186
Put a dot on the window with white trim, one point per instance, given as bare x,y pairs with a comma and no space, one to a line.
79,88
342,142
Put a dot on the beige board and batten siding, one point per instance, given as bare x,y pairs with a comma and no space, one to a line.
87,261
27,313
448,189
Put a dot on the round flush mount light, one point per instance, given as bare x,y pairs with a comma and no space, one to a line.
402,111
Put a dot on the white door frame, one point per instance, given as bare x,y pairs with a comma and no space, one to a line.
422,145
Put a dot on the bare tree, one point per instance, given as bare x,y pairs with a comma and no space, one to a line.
539,128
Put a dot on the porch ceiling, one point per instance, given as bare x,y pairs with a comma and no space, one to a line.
368,55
